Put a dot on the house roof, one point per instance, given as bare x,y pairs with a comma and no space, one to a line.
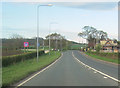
108,43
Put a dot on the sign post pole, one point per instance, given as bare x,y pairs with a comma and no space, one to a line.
26,44
24,49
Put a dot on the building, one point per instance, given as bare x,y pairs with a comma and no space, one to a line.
109,45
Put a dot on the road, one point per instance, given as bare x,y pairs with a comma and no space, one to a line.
67,71
109,69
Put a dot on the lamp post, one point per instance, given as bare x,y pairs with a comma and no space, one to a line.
38,28
56,43
61,43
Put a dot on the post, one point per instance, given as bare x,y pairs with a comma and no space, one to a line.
37,32
49,37
38,27
56,45
24,49
66,44
43,44
61,43
27,49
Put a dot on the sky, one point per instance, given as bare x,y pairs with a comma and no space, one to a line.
66,18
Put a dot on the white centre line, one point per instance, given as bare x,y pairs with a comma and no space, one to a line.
38,72
96,70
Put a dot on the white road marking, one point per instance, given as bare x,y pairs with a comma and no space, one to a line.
105,77
88,68
96,70
38,72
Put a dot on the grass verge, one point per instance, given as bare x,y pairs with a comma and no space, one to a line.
103,58
15,73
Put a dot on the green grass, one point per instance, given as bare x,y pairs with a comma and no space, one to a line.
77,46
103,58
14,73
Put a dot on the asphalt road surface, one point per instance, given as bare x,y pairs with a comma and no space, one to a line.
67,71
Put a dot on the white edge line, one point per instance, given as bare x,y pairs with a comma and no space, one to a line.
38,72
96,70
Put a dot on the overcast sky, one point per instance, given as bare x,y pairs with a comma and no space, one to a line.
21,18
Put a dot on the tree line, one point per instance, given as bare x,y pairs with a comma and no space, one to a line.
16,41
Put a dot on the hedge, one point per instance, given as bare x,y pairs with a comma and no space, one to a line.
9,60
110,55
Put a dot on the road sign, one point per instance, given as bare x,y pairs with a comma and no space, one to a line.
38,44
26,44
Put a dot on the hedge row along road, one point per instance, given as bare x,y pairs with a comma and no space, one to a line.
74,69
11,60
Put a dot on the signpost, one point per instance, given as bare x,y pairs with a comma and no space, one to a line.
38,44
26,44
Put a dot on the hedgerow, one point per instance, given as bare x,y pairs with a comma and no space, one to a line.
9,60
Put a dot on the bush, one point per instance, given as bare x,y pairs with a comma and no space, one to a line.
8,60
103,54
98,48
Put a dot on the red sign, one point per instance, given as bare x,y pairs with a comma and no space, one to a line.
26,44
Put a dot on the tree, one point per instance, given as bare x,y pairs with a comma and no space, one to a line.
16,41
16,36
102,35
12,45
57,41
118,42
98,48
92,35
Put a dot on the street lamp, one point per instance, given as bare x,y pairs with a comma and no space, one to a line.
61,43
38,27
49,33
56,44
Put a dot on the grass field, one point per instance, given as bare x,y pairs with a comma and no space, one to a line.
77,46
14,73
103,58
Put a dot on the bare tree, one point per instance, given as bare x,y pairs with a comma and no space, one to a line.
16,41
92,35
